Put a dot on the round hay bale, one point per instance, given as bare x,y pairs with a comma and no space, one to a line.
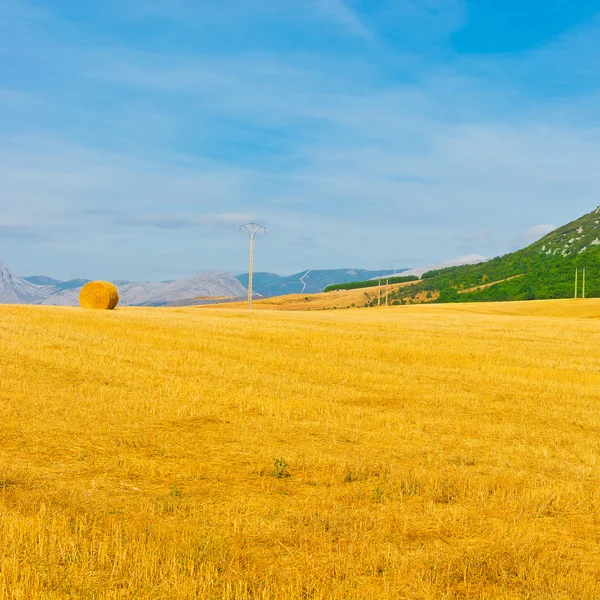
99,294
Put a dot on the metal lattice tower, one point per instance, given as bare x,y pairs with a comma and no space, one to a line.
252,229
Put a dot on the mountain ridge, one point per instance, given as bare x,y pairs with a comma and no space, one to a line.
41,289
15,289
311,281
148,293
60,285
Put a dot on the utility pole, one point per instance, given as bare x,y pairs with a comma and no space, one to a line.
583,292
252,229
576,275
379,294
387,290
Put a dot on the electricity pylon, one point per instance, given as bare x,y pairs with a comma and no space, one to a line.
252,229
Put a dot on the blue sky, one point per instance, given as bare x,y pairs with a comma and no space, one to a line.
136,135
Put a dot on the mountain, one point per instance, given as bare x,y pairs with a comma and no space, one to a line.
309,282
55,283
147,293
42,280
544,269
16,290
40,289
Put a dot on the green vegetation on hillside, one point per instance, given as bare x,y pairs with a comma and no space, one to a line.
370,283
543,270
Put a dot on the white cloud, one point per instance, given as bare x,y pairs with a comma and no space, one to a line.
536,232
468,259
465,259
186,221
340,12
373,166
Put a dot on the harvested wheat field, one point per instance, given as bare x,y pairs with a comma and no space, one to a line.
411,452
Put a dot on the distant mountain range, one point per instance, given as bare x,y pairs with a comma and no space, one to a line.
40,289
309,282
45,290
55,283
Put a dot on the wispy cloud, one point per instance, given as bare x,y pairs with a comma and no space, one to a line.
333,121
16,231
183,222
341,13
535,232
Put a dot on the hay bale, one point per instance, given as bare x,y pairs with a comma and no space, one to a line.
99,294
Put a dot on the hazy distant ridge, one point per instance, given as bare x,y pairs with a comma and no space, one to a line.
147,293
40,289
309,281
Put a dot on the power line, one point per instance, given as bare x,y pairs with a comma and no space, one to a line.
252,229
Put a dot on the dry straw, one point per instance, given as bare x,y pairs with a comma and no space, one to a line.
99,294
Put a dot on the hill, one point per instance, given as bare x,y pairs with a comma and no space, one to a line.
306,282
345,298
543,270
369,283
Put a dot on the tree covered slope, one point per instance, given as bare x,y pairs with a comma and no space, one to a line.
545,269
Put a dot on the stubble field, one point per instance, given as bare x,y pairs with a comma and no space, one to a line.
411,452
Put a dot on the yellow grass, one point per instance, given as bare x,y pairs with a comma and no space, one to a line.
433,452
214,297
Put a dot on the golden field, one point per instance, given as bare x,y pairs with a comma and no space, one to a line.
417,452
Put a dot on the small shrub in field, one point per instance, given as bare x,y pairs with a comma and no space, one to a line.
377,494
280,468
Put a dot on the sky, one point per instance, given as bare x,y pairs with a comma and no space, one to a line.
137,135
